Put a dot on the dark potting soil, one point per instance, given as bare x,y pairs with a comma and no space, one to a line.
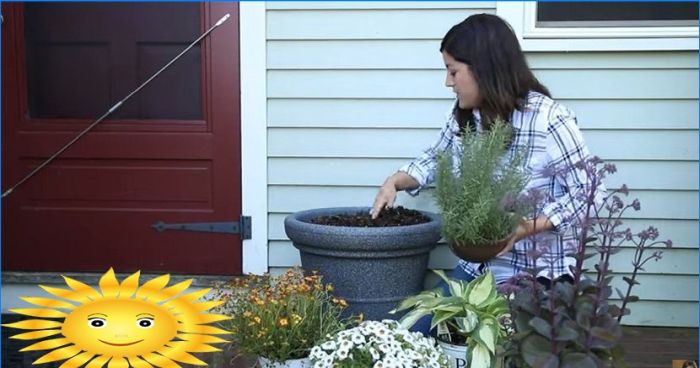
395,216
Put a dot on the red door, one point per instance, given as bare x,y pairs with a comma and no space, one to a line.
171,153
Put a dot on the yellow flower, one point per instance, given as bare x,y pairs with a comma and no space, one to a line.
296,319
283,322
257,319
329,288
247,314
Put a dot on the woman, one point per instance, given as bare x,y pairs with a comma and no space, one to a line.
488,72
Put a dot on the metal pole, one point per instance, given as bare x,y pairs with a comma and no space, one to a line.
113,108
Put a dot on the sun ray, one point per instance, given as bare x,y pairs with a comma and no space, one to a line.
35,334
65,294
82,288
209,330
152,287
205,306
129,285
193,347
98,362
159,360
191,297
172,291
137,362
48,302
47,344
58,354
180,355
109,285
33,324
77,360
40,312
207,339
202,319
118,362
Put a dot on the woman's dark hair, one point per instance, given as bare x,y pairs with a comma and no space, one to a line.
489,46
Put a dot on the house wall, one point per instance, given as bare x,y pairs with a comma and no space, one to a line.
354,90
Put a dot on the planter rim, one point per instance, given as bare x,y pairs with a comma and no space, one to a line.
300,220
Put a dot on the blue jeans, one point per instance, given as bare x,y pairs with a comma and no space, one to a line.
423,324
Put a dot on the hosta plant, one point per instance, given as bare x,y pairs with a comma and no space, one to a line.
473,313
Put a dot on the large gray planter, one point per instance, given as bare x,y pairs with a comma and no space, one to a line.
372,268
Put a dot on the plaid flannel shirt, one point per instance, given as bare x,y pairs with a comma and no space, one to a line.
548,134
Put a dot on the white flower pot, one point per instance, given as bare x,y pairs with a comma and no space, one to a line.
456,354
291,363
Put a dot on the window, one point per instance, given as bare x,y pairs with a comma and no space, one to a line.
616,14
603,26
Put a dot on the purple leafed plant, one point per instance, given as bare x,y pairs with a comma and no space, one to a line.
573,323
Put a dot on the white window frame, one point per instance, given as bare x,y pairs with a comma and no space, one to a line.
522,17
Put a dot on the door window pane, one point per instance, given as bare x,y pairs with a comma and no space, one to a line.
84,57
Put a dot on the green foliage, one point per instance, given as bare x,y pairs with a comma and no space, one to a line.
474,194
473,311
280,317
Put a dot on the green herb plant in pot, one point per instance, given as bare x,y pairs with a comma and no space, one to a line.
471,322
476,193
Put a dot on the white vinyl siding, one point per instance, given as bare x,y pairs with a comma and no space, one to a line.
355,89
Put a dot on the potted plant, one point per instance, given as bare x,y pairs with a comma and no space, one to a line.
378,344
373,264
280,318
472,193
575,324
473,319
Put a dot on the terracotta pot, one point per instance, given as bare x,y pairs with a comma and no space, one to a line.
291,363
478,253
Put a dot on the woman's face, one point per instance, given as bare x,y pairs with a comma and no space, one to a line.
462,82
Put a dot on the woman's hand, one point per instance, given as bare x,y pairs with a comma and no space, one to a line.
520,232
387,193
385,198
527,228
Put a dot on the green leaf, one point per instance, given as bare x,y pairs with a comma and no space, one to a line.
468,323
603,334
535,351
454,285
629,281
566,333
486,337
440,316
483,286
410,319
542,327
577,360
479,357
414,300
632,299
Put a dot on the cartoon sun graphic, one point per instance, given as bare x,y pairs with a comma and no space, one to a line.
123,325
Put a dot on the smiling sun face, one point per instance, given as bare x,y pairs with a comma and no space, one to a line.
123,325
